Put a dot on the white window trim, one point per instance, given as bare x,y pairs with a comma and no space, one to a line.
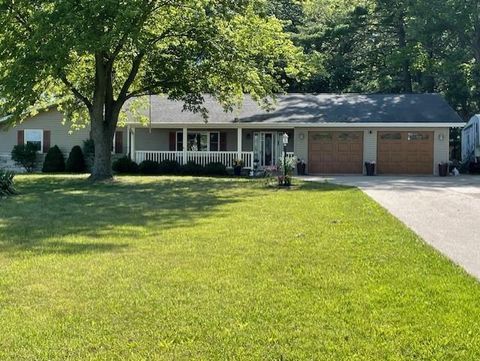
198,132
34,130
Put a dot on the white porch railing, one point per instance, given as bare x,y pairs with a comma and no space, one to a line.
203,158
141,155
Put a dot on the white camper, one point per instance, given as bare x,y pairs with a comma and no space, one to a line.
471,140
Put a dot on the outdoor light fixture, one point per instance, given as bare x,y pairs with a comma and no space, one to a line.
285,142
285,139
301,136
441,137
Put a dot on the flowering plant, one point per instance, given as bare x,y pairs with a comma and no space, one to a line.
238,162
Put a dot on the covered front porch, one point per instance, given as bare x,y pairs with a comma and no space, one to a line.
257,148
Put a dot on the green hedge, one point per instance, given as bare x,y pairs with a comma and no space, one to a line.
76,161
54,161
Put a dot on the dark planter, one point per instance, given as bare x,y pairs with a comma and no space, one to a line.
301,167
237,171
370,167
443,169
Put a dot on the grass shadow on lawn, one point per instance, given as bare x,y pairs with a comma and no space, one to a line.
53,207
72,206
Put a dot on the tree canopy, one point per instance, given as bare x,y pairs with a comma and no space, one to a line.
89,57
390,46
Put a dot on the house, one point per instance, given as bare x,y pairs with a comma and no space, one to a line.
333,134
471,144
471,139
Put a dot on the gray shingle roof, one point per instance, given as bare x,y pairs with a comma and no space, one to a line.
316,109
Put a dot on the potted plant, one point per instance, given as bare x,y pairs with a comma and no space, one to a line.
237,167
301,167
370,167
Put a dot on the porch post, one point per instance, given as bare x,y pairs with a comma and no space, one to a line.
129,151
133,156
184,142
239,143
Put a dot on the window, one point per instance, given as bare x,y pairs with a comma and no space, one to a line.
391,136
35,137
418,136
348,136
199,141
179,142
322,136
214,142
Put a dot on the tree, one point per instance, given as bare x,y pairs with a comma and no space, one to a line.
91,57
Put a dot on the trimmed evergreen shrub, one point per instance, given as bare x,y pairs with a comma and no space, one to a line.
89,153
169,167
215,169
125,165
76,161
192,168
54,161
149,167
25,155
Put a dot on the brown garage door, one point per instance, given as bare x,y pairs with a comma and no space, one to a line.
335,152
405,152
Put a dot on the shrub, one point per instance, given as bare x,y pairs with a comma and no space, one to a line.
149,167
89,153
25,155
88,147
169,167
125,165
76,161
215,169
6,183
54,161
192,168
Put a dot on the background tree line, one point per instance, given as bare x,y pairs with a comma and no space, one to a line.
389,46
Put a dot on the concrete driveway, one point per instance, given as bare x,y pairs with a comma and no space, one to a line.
445,212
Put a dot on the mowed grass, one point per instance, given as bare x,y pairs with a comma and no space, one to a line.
219,269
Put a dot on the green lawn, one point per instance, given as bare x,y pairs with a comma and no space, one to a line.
217,269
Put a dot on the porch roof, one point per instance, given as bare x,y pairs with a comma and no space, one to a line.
314,109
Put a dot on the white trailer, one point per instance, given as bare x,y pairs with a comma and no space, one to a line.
471,140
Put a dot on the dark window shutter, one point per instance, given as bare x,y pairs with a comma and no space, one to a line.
118,142
223,142
46,141
20,137
173,140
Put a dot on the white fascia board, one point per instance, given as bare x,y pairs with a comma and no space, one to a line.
296,125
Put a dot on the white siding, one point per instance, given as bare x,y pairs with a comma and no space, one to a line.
441,148
61,134
301,145
154,139
369,146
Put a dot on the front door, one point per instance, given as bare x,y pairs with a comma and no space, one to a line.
265,148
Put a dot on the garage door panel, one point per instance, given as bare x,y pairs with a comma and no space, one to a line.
336,152
405,152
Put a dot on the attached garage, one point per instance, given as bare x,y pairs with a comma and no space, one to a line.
405,152
335,152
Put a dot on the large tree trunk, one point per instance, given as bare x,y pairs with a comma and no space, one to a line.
104,118
102,136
